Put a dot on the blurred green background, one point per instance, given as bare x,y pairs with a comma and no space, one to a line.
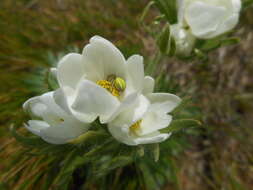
34,32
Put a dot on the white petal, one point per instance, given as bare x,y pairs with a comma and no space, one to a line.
227,25
163,102
153,122
125,104
36,125
237,5
149,139
34,106
93,100
184,39
70,70
149,84
204,18
121,133
61,99
48,100
102,59
135,76
181,9
62,133
133,113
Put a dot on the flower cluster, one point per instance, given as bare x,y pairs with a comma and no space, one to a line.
203,19
101,84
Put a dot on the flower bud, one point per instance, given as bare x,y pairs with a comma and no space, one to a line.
120,84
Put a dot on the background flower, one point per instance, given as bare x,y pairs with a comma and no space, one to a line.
208,19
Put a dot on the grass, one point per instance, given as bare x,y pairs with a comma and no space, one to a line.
33,32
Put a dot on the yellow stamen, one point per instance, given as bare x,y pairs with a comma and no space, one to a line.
109,86
135,127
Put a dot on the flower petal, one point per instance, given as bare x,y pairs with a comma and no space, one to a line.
153,138
133,113
34,107
70,70
153,122
225,26
135,77
92,101
237,5
102,59
36,125
204,18
121,133
163,102
149,84
61,99
125,104
181,9
62,133
184,39
52,108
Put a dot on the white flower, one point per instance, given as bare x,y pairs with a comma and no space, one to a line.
99,82
209,18
50,122
184,39
140,124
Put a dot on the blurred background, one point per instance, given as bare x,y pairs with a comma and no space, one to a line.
34,33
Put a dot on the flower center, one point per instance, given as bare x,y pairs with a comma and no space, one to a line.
109,87
135,127
115,85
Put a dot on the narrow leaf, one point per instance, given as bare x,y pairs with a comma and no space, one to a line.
168,8
163,39
180,124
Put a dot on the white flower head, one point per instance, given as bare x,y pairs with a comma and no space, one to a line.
51,122
209,18
99,82
140,124
184,39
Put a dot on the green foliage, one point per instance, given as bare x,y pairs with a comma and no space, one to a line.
166,42
29,48
168,8
246,4
180,124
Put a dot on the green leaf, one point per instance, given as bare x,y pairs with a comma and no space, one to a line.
182,105
180,124
153,151
208,45
140,151
28,141
88,136
112,164
51,81
247,4
146,9
156,152
230,41
173,47
100,148
168,8
163,39
200,54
